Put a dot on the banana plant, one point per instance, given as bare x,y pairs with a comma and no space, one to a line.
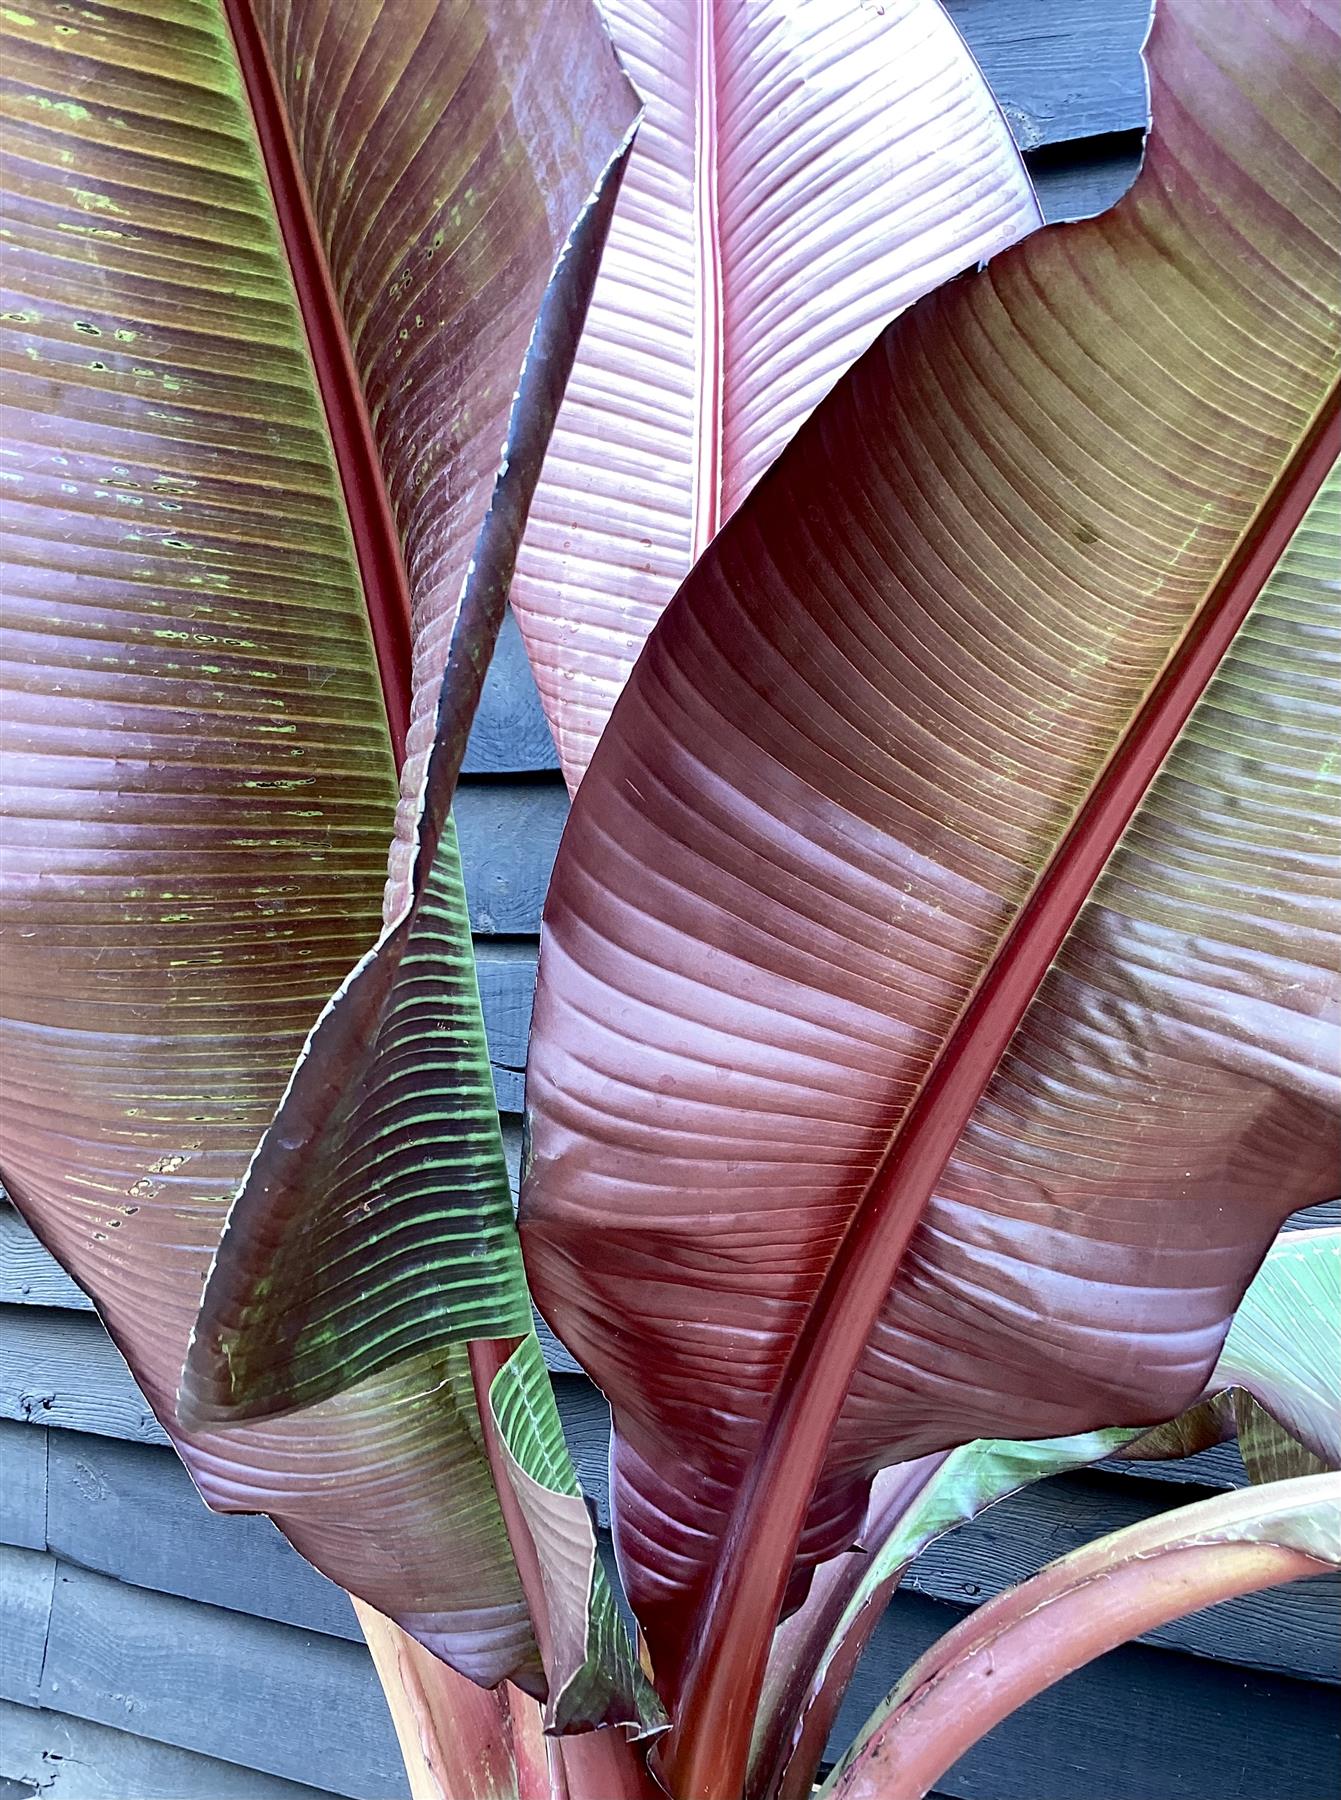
929,1039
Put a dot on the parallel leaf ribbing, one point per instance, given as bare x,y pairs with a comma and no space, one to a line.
845,759
802,172
199,785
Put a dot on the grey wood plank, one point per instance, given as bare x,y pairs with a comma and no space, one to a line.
291,1703
509,834
510,734
1138,1724
27,1584
506,973
62,1369
131,1511
1078,181
29,1275
23,1486
64,1758
1060,70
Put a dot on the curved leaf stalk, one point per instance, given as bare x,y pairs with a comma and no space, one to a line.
707,1755
1078,1608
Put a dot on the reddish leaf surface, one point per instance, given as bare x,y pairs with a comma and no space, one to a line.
804,170
199,781
867,771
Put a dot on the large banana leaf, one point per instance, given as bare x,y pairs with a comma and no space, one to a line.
803,171
880,1099
255,267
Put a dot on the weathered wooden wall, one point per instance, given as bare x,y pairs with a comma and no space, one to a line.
150,1648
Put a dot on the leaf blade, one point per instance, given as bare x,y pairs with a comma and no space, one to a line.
802,173
844,757
192,703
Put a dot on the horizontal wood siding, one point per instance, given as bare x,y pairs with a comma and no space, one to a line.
150,1648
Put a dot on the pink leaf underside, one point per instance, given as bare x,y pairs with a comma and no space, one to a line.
856,737
804,169
199,787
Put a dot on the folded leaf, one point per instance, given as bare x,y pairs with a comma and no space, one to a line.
804,170
1078,1607
200,784
848,845
1277,1384
1281,1358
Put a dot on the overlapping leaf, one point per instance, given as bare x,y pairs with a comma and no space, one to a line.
802,172
200,787
851,749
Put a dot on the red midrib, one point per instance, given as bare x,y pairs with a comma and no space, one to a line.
708,421
706,1757
376,545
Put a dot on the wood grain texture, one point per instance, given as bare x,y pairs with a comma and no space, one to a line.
509,835
1060,70
27,1583
62,1369
23,1487
296,1704
62,1757
510,735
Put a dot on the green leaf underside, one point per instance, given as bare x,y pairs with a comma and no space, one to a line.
1282,1361
592,1662
408,1161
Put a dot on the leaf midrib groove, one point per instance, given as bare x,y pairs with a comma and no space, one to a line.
367,506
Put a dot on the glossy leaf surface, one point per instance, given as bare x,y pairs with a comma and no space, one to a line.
804,170
1023,1640
200,783
880,727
